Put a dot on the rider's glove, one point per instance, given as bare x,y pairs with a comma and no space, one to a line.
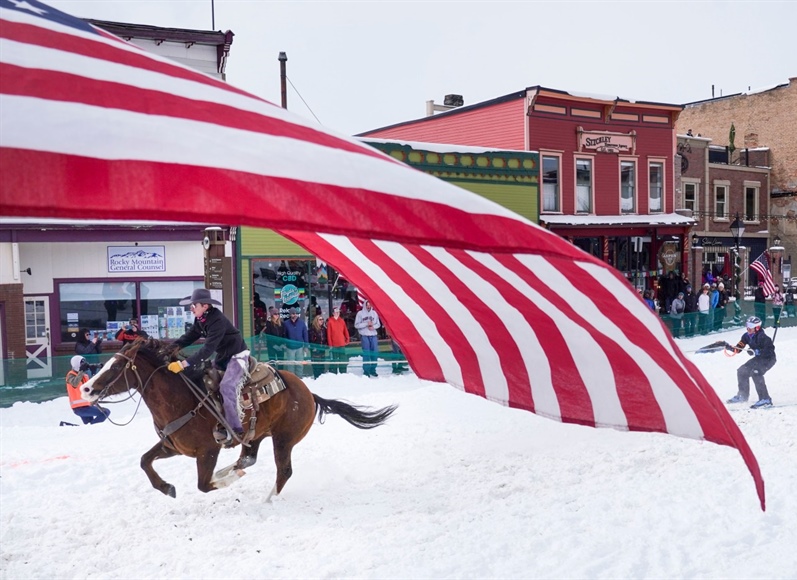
176,366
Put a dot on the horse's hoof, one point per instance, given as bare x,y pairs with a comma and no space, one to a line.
170,490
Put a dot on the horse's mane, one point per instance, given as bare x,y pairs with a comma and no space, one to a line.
154,351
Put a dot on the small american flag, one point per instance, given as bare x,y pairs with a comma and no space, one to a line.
476,295
761,266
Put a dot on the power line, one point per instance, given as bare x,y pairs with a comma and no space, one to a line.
305,102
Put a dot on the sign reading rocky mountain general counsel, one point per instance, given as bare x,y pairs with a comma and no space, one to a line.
136,259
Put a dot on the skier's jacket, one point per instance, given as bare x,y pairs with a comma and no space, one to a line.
74,380
761,345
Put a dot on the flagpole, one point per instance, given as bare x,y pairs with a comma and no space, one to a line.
212,15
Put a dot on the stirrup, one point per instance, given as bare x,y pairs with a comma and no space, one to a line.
222,437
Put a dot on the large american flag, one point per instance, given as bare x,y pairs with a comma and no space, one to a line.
476,295
761,266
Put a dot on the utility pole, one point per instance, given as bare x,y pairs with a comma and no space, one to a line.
283,58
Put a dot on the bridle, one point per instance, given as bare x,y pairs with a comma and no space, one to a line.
130,365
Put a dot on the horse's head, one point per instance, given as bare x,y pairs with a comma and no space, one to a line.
120,373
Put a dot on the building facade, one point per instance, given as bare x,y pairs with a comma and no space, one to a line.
607,168
741,124
57,276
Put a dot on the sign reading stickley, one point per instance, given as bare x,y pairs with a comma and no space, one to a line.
136,259
606,141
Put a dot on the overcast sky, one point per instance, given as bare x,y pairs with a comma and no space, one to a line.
364,65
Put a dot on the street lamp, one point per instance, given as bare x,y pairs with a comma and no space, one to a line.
776,242
737,230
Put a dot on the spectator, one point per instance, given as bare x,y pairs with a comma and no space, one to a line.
297,339
646,296
670,292
130,332
75,378
690,312
788,302
348,311
704,309
760,304
762,349
259,311
317,336
720,309
232,356
367,323
313,309
338,338
778,300
86,345
274,335
677,309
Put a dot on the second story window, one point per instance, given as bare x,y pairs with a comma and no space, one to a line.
720,202
690,196
627,187
550,183
584,185
655,193
751,201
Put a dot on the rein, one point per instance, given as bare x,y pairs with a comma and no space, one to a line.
204,399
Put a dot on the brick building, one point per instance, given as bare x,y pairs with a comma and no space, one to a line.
607,169
763,117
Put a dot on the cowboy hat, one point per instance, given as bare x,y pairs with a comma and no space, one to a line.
199,296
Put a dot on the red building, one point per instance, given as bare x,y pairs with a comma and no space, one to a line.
608,173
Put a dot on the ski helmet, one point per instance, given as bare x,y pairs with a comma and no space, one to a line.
754,323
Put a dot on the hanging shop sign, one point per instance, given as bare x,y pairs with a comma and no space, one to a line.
136,259
606,141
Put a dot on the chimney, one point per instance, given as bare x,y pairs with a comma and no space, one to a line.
449,102
453,100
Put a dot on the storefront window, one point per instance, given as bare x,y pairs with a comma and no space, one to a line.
583,185
286,283
105,307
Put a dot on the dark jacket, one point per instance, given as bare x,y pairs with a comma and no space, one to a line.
690,301
221,338
761,344
85,347
759,295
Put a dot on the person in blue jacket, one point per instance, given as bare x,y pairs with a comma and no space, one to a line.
762,349
297,340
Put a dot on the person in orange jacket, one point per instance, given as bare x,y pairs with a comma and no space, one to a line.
75,378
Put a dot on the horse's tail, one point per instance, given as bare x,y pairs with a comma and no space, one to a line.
357,416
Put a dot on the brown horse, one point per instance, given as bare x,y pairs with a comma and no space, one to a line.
286,417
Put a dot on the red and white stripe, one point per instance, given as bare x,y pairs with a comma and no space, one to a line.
476,295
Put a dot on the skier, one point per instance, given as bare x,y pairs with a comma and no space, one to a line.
762,349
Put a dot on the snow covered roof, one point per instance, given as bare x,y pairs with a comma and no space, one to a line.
665,219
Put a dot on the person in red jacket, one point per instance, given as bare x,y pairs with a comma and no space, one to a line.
75,378
338,338
130,332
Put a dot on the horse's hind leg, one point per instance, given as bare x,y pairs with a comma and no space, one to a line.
283,446
159,451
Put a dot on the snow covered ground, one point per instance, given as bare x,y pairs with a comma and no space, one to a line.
453,487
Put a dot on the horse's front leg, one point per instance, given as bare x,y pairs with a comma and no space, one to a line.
158,451
206,479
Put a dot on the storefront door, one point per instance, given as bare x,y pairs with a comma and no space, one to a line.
38,349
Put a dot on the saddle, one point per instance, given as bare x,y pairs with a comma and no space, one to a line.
259,384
